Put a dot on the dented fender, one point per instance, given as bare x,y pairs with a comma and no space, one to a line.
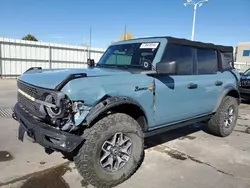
99,95
79,118
93,112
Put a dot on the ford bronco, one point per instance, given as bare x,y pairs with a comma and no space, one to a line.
99,116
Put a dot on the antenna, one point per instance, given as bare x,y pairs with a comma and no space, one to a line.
90,38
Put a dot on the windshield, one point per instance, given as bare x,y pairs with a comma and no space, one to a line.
247,73
129,55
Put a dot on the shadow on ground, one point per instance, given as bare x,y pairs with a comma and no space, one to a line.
181,133
53,177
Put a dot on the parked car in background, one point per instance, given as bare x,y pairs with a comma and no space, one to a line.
99,116
245,85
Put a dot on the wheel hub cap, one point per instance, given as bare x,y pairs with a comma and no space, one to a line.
229,117
115,152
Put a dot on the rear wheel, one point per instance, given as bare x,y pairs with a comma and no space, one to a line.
224,120
112,152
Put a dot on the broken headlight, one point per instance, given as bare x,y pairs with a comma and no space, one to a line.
52,110
78,107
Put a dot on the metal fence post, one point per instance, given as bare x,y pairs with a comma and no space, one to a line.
50,65
1,64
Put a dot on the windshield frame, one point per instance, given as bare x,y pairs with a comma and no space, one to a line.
162,43
132,59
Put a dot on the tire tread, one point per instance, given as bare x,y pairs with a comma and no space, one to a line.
91,134
215,124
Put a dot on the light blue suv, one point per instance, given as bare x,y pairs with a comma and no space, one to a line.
99,116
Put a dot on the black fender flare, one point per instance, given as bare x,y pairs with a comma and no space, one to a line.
225,93
109,103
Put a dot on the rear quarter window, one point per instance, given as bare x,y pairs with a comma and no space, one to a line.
207,61
227,61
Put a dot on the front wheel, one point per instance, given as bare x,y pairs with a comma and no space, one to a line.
224,120
112,151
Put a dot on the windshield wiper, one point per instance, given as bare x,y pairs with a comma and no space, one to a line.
123,66
99,65
106,65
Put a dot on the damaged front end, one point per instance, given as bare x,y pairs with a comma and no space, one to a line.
47,105
49,117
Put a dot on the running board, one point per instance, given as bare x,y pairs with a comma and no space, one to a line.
169,127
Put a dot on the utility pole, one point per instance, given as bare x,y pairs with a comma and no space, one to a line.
125,33
90,38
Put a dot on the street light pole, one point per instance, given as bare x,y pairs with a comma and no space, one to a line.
198,4
194,18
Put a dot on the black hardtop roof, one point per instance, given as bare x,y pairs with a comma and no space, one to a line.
186,42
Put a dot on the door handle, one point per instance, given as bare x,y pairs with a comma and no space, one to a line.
218,83
192,86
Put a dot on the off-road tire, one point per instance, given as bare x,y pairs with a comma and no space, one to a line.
216,123
87,160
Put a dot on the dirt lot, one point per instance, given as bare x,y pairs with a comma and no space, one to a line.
187,157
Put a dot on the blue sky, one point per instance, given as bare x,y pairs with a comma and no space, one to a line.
68,21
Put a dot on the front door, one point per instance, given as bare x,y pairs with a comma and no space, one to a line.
178,96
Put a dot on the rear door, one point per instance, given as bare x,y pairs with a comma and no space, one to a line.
211,81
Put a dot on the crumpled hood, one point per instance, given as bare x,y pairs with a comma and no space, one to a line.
50,78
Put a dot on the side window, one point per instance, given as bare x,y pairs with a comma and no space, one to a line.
207,61
183,57
227,60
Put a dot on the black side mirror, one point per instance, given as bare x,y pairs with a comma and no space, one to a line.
166,67
91,62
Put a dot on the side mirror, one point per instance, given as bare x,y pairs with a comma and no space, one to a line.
91,62
166,67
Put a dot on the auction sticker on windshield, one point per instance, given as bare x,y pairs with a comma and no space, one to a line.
149,45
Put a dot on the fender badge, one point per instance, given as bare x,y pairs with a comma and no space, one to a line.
137,88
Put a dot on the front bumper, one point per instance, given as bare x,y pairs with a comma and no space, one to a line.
44,134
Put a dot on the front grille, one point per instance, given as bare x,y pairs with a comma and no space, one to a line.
26,103
32,91
34,107
245,83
